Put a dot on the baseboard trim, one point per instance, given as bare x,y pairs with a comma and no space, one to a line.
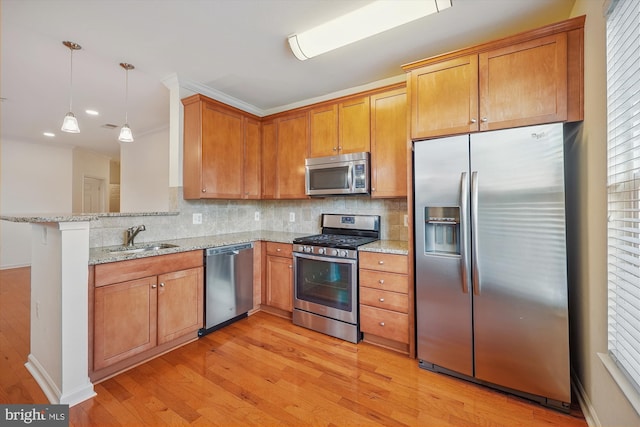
587,408
51,390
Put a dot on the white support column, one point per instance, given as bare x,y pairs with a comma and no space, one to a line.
59,353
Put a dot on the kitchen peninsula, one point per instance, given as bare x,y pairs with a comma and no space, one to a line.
61,253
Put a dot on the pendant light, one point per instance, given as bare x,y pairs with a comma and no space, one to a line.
70,123
125,132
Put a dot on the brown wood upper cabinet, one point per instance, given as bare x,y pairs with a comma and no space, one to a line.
340,128
221,151
530,78
284,149
389,144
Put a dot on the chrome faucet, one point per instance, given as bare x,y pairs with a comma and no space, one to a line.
132,232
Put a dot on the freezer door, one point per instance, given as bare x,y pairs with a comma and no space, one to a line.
443,297
519,272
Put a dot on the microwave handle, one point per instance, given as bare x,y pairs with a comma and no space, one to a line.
350,173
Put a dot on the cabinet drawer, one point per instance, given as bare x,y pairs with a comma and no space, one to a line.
383,299
384,281
384,323
385,262
279,249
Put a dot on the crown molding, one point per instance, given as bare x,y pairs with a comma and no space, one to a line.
174,81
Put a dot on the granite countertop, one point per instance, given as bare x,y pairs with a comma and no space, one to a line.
104,255
399,247
75,217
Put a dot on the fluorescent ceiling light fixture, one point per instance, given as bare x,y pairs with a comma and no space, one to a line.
375,18
92,112
49,134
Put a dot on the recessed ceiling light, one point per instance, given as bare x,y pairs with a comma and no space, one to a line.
49,134
92,112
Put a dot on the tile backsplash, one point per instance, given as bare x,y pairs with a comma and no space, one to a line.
229,216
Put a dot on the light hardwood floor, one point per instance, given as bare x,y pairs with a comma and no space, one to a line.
265,371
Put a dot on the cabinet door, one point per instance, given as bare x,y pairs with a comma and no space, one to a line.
444,98
252,162
180,309
524,84
222,153
353,119
280,282
389,144
293,137
324,131
269,160
124,320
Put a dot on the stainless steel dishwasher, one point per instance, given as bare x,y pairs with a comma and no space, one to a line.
228,285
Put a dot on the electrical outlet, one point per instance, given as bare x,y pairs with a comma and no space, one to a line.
256,216
197,218
406,220
292,217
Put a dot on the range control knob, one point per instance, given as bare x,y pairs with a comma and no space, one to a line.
344,253
308,249
321,251
334,252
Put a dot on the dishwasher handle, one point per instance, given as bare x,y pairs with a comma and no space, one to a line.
228,250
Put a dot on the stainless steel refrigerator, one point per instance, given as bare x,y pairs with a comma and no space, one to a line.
490,260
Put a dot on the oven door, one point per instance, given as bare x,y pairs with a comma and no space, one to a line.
326,286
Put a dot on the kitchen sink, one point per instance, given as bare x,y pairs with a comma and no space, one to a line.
141,248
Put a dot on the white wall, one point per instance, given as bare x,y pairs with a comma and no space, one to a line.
93,165
606,405
34,179
144,173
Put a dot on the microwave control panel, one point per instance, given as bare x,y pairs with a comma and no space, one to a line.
359,176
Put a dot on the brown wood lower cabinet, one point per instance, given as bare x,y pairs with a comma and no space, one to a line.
278,291
384,300
136,318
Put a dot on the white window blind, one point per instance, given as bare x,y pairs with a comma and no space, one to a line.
623,164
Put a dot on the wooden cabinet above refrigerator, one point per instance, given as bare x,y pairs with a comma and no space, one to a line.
531,78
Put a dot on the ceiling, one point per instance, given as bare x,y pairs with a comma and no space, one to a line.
232,50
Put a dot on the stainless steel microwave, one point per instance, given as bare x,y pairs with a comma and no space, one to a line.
337,175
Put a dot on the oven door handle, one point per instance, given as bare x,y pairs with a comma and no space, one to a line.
325,258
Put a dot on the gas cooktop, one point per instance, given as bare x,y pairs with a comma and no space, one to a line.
343,232
335,241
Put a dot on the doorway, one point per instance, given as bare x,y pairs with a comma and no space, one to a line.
93,195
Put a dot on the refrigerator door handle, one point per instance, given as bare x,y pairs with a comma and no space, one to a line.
474,225
464,231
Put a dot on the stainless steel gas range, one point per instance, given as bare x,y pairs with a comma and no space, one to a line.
325,273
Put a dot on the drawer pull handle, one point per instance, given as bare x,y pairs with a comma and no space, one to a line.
380,262
153,286
290,266
381,299
381,281
162,285
381,323
278,250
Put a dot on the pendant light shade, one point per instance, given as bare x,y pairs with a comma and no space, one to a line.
70,123
125,132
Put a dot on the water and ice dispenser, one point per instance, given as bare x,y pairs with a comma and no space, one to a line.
442,230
